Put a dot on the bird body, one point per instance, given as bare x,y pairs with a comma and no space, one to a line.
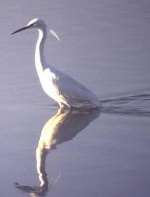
65,90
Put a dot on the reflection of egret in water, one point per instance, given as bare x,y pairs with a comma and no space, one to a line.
63,126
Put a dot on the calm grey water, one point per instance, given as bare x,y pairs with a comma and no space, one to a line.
105,45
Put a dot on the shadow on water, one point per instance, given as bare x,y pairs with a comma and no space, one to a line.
135,105
64,126
61,127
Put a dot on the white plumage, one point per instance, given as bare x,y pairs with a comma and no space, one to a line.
66,91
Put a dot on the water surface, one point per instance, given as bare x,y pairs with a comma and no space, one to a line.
104,45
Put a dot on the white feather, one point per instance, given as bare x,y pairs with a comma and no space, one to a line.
53,33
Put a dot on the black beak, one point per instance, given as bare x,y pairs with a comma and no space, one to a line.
21,29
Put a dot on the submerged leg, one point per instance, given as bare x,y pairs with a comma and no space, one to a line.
64,107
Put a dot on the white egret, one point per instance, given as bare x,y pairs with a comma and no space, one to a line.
66,91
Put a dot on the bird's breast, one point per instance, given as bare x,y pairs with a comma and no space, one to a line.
48,83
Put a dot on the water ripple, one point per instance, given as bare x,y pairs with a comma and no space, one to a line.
137,105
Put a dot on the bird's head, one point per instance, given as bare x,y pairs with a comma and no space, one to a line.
36,23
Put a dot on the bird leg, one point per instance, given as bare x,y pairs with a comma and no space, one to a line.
64,107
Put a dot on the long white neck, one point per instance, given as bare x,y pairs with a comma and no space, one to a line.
40,63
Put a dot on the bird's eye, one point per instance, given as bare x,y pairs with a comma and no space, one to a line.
33,25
